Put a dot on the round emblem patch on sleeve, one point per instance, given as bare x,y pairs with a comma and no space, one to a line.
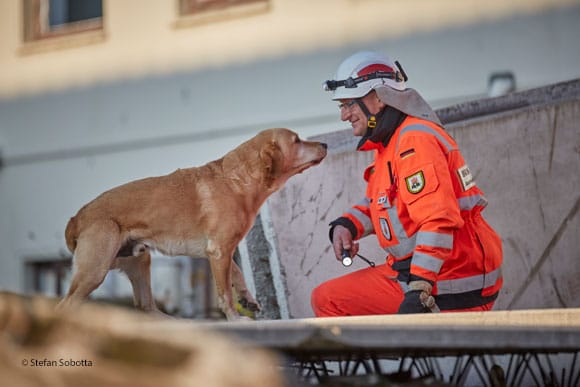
415,182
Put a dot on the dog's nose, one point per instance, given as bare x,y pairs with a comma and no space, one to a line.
324,145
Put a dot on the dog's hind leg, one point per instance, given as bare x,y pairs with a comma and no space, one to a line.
138,269
95,252
246,298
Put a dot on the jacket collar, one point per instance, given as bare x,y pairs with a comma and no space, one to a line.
388,120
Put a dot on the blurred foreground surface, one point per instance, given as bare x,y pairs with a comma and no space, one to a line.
100,345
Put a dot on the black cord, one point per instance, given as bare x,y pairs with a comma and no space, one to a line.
371,263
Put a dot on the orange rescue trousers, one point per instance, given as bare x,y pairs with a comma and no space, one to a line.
369,291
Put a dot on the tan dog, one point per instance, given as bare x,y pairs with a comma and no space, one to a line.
198,212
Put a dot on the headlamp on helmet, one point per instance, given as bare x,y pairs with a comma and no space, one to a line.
362,72
349,83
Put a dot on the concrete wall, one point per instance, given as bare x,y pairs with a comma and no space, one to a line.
526,158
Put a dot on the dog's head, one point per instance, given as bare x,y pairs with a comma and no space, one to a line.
283,154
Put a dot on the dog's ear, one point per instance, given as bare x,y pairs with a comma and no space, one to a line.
272,162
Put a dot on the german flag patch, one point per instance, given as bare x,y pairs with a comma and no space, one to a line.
407,153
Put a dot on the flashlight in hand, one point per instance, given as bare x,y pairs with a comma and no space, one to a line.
346,259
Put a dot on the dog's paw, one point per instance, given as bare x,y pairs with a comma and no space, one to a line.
252,306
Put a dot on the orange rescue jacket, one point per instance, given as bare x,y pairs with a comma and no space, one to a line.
425,209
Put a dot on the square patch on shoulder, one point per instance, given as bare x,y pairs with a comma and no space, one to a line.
466,177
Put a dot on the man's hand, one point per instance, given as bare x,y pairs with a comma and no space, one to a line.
412,303
342,240
418,299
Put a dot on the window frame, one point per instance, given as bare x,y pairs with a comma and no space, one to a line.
193,7
36,23
217,10
38,36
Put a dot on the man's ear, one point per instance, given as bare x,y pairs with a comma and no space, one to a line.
271,159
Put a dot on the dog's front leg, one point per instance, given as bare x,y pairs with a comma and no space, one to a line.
246,298
220,260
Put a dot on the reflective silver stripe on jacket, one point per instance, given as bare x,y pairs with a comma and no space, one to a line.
427,262
469,202
468,284
364,220
425,129
364,202
406,244
435,239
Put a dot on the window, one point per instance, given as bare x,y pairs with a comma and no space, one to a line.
196,11
49,277
188,7
45,19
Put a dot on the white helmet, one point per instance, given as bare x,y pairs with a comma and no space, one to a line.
362,72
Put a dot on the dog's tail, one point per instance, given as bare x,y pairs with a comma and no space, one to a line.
71,234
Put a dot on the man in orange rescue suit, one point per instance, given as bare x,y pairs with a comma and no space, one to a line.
421,202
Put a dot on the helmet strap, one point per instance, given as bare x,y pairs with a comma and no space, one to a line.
371,118
388,120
